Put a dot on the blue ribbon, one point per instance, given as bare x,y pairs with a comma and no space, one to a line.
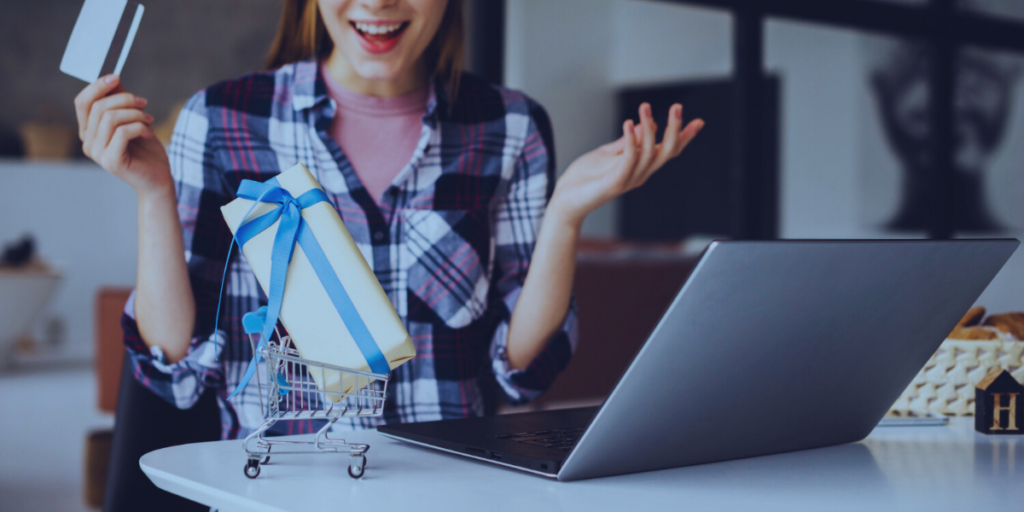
291,230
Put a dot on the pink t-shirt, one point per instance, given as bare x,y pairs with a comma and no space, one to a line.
378,135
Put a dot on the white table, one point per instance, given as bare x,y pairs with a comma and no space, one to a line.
896,468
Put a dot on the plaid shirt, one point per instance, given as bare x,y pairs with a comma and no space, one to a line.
450,242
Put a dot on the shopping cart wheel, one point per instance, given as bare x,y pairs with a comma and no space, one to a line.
252,468
356,471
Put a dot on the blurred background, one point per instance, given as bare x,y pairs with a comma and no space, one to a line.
839,119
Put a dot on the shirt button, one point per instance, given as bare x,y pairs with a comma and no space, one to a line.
378,236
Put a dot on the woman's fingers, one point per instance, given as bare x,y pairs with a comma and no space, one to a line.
638,130
687,135
114,101
110,122
672,143
89,95
669,141
648,141
100,107
629,155
124,134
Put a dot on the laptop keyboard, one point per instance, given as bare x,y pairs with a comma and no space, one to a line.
558,439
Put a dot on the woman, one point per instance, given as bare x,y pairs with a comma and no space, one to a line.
447,184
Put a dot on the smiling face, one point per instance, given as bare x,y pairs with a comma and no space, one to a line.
380,40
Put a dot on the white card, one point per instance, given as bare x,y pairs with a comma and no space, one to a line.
101,38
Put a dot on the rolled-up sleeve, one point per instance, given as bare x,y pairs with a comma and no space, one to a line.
516,219
199,187
180,383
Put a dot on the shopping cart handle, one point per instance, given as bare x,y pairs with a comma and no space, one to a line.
253,321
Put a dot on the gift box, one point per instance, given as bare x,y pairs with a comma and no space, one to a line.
332,305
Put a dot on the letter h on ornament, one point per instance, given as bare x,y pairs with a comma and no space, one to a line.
996,407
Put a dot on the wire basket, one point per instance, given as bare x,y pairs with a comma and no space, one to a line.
289,392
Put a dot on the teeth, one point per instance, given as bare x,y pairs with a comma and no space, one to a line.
373,29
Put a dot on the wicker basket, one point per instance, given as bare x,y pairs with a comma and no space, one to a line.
946,383
48,141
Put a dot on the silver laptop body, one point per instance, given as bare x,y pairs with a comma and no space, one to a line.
769,347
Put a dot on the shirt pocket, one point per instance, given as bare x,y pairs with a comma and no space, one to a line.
446,256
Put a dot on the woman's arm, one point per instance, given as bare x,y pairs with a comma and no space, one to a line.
116,133
165,310
591,181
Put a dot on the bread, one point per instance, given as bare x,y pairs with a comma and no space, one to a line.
973,317
974,333
1010,323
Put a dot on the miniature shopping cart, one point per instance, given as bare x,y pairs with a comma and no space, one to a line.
289,393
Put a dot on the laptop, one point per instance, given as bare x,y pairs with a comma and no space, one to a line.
769,347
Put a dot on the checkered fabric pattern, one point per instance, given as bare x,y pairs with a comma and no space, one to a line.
450,241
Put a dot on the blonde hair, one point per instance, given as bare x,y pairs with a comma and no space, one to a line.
302,35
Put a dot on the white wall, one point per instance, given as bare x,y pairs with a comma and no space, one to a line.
662,42
573,55
827,111
557,52
818,158
84,221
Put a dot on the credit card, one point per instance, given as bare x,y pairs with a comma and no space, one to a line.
101,38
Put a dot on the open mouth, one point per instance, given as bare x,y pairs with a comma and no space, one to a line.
379,36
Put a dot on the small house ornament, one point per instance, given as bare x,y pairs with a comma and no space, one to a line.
999,404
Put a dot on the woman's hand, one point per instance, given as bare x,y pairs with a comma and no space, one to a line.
620,166
116,134
592,180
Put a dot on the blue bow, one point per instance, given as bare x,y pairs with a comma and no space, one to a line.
291,230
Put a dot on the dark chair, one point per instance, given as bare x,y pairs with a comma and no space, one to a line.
144,422
619,298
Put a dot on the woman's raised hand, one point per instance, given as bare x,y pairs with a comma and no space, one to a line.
116,134
620,166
